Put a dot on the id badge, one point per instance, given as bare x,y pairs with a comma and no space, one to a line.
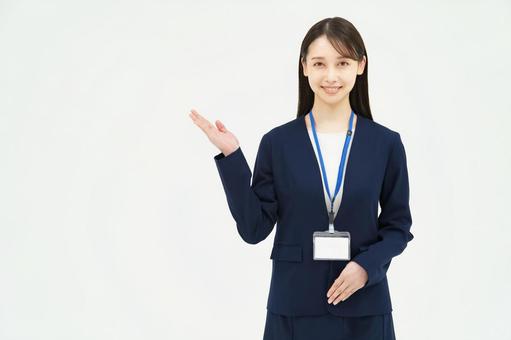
331,246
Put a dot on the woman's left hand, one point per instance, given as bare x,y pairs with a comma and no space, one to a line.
352,278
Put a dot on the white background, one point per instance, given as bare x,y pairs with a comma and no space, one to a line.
113,220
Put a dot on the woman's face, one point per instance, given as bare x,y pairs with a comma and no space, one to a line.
331,76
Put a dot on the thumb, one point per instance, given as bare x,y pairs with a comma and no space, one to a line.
220,126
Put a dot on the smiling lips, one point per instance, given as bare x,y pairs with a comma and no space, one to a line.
331,89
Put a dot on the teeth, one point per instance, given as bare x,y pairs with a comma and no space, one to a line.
331,89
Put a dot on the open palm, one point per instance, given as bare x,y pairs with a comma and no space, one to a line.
222,138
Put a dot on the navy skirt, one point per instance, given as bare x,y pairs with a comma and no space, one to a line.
328,327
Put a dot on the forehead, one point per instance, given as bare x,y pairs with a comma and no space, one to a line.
322,49
318,57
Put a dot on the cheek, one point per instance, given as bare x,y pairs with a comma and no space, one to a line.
346,77
313,80
314,85
351,78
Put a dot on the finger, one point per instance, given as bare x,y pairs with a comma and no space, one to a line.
335,289
347,293
335,285
336,293
196,116
220,126
336,297
203,123
339,298
193,114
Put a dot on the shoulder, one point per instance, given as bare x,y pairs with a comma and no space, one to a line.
283,130
391,142
389,139
380,130
386,140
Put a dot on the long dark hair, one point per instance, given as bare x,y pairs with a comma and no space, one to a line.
345,38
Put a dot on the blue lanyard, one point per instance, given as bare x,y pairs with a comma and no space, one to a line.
341,165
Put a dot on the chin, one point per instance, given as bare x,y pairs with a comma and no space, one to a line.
332,99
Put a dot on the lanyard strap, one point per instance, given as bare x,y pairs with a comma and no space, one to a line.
341,166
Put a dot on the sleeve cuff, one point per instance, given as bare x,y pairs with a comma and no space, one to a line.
233,168
363,261
220,156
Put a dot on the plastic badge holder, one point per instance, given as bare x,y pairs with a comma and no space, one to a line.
329,245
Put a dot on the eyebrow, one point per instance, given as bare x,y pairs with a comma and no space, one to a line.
340,57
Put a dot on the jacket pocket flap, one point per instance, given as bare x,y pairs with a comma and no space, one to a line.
287,252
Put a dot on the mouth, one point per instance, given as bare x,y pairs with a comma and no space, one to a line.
331,89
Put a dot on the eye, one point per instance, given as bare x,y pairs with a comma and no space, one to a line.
340,63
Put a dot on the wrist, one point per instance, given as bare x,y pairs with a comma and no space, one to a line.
227,152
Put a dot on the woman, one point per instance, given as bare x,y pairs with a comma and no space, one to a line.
326,284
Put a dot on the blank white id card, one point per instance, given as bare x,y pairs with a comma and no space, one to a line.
331,246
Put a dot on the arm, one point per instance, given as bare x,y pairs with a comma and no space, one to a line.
253,206
394,221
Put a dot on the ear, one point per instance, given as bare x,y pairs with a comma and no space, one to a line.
304,66
362,66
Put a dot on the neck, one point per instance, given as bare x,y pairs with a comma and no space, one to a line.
331,117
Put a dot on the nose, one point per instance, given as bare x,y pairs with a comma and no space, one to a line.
331,76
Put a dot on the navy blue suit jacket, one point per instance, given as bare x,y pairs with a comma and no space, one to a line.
287,190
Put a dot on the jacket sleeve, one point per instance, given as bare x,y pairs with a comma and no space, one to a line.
394,221
254,206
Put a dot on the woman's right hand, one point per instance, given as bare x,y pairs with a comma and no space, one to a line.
222,138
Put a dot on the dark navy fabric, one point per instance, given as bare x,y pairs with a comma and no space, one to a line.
287,190
328,327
